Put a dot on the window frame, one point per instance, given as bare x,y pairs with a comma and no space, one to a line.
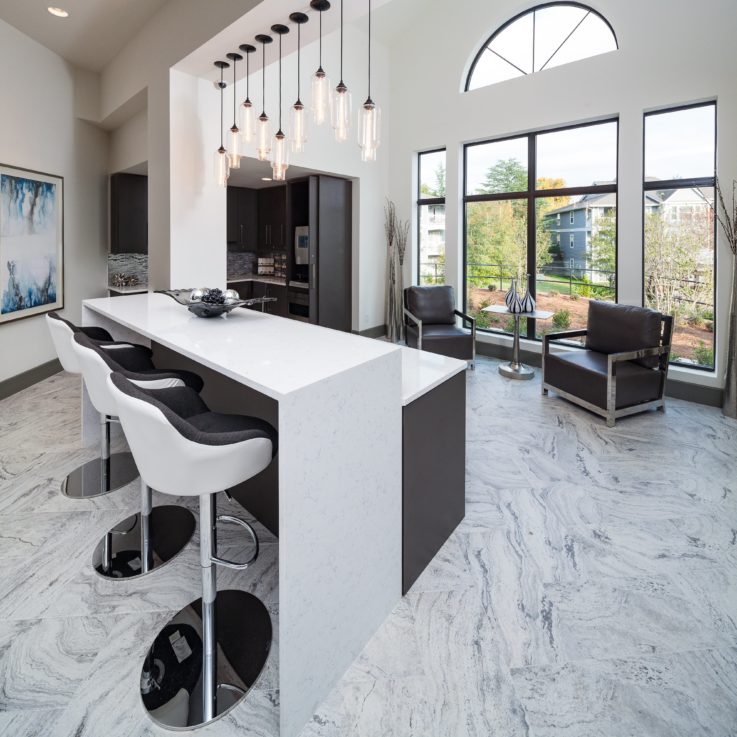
420,201
691,183
531,194
514,19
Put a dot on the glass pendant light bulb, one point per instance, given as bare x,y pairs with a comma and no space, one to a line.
234,148
263,146
369,129
299,127
280,157
341,112
320,97
248,122
222,167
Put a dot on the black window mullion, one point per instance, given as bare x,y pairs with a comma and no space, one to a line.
531,229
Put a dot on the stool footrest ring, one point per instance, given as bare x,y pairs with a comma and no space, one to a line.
231,563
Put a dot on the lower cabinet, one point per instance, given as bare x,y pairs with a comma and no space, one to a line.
262,289
243,288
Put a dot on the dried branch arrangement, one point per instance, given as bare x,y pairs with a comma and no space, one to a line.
727,218
390,222
401,235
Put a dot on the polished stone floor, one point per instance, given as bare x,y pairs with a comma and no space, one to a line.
591,590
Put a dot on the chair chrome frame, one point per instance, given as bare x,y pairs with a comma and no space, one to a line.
458,313
611,413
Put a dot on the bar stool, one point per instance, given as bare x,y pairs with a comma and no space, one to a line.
108,472
146,540
190,678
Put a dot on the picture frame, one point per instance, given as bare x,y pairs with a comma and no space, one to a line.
31,243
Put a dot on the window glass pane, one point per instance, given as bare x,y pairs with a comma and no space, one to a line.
552,25
592,37
491,69
514,43
432,174
496,167
679,268
432,244
680,144
496,242
577,157
576,241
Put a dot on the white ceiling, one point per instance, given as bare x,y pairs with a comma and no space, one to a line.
94,32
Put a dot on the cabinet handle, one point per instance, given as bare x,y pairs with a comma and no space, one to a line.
281,235
241,232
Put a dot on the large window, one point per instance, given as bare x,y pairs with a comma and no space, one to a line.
679,228
516,190
546,36
431,217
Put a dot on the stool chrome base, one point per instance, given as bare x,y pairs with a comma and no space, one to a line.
172,673
517,371
164,533
99,477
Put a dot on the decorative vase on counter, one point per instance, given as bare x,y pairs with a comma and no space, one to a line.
528,301
511,295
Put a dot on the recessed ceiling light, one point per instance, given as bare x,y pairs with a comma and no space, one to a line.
266,179
58,12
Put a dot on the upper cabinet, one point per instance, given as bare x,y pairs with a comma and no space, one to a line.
242,224
272,225
128,213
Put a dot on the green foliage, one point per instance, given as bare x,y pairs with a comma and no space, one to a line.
507,175
703,354
438,190
562,319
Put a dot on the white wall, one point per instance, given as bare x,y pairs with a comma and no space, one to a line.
39,130
129,143
670,52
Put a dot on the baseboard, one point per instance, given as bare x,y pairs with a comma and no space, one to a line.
697,393
28,378
376,332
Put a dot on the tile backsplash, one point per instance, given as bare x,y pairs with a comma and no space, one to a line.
128,264
241,262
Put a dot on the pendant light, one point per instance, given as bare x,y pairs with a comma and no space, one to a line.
320,81
299,122
234,140
222,166
280,152
248,114
341,113
370,115
263,135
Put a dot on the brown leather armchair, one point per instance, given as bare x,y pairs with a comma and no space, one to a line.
430,323
623,367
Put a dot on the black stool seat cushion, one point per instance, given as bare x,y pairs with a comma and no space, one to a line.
94,333
135,362
583,373
191,417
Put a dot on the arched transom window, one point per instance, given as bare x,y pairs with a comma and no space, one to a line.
545,36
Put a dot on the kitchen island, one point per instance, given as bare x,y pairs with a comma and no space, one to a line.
335,500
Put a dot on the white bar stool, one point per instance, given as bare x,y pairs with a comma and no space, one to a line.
155,535
210,654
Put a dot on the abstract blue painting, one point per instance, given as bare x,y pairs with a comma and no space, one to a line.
31,243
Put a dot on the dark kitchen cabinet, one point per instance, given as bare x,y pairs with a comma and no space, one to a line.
244,288
272,219
128,213
242,219
264,289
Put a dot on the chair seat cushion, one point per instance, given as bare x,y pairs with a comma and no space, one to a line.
447,340
583,374
134,362
215,428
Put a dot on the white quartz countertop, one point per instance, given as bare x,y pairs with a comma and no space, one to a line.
273,355
423,371
263,278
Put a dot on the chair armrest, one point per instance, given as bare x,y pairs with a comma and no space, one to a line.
465,316
418,322
551,337
642,353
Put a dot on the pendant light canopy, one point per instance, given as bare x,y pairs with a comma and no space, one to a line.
320,81
234,139
341,113
222,165
298,116
369,121
280,153
248,113
263,135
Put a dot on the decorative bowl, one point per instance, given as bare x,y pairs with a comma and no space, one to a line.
204,309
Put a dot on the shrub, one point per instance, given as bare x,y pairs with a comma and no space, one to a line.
704,356
562,319
509,325
709,325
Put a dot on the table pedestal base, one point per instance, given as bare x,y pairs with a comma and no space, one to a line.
517,371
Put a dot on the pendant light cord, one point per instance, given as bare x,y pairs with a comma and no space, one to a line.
234,100
248,77
369,51
341,41
280,130
263,78
221,107
299,48
320,65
